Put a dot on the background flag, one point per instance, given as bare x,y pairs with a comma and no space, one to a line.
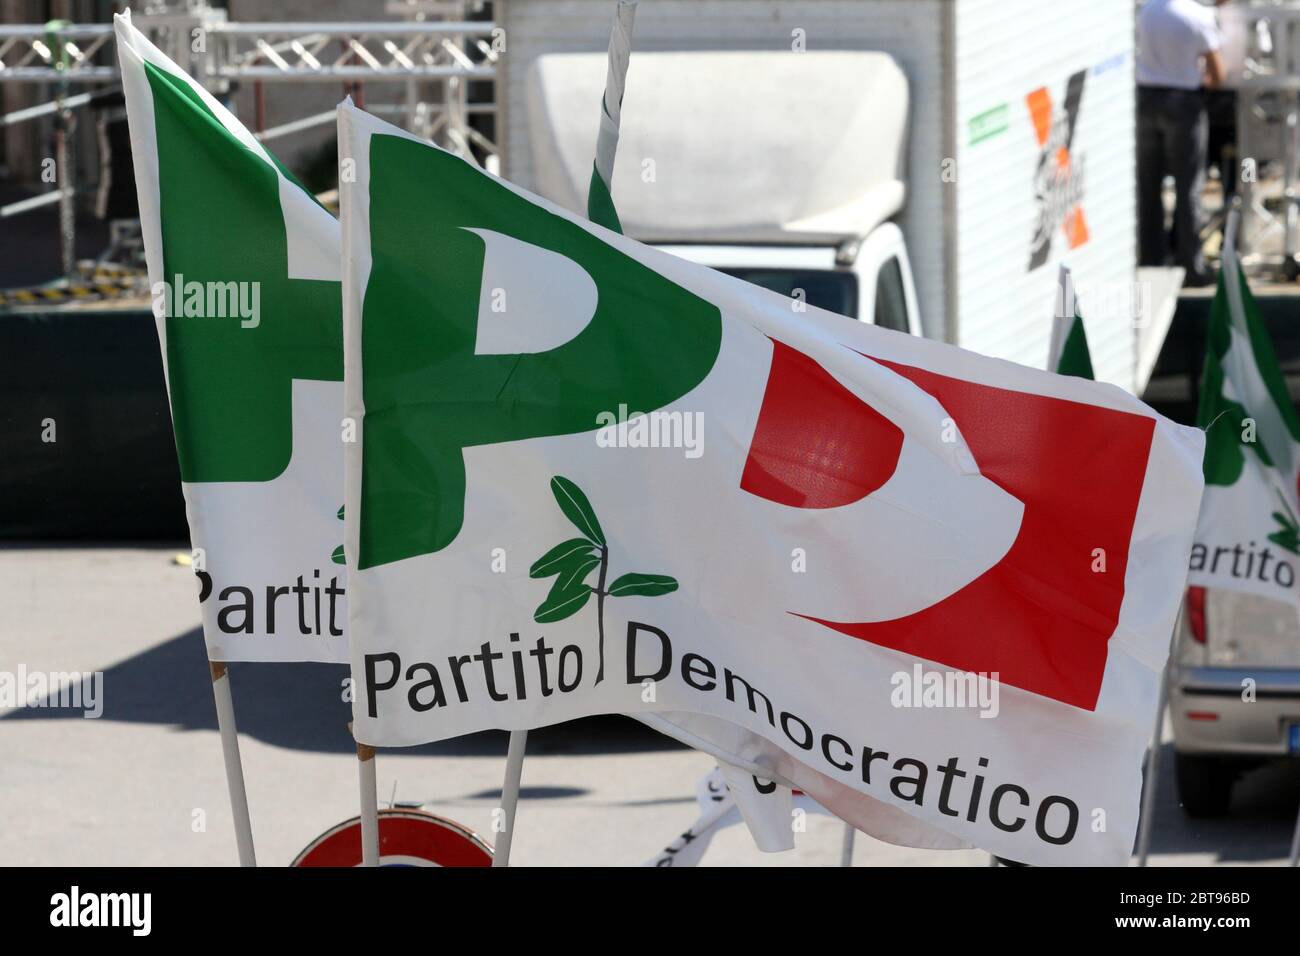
1067,352
1248,537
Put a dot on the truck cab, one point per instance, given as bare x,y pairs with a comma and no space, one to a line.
753,163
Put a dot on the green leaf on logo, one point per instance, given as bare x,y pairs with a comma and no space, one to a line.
341,507
337,557
560,556
561,603
645,585
1287,536
577,508
575,572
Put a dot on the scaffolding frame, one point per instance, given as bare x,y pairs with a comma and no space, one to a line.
1264,47
437,50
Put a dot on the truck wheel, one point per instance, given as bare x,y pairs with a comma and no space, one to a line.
1204,784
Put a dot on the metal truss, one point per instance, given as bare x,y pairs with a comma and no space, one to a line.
223,51
353,51
436,51
36,54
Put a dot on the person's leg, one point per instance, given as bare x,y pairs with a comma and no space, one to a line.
1189,143
1221,110
1152,244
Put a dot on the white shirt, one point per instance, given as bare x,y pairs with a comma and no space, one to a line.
1172,36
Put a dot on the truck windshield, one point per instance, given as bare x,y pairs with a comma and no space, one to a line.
832,291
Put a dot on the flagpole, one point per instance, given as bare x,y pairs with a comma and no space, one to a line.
1063,310
600,203
600,209
510,795
369,804
846,846
1151,783
1295,843
234,767
1234,289
1152,770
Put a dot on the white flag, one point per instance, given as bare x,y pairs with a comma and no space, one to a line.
244,269
930,589
1249,531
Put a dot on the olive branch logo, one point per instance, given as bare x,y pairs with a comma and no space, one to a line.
570,562
1288,533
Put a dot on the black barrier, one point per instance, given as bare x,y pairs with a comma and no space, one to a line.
1175,383
86,445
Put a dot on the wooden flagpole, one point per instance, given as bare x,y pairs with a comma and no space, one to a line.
510,795
234,767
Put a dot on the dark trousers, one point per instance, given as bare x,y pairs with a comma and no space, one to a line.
1172,133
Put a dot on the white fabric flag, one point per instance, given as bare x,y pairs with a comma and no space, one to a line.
244,268
1248,538
930,589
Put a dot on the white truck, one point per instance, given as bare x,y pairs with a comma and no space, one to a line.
923,164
